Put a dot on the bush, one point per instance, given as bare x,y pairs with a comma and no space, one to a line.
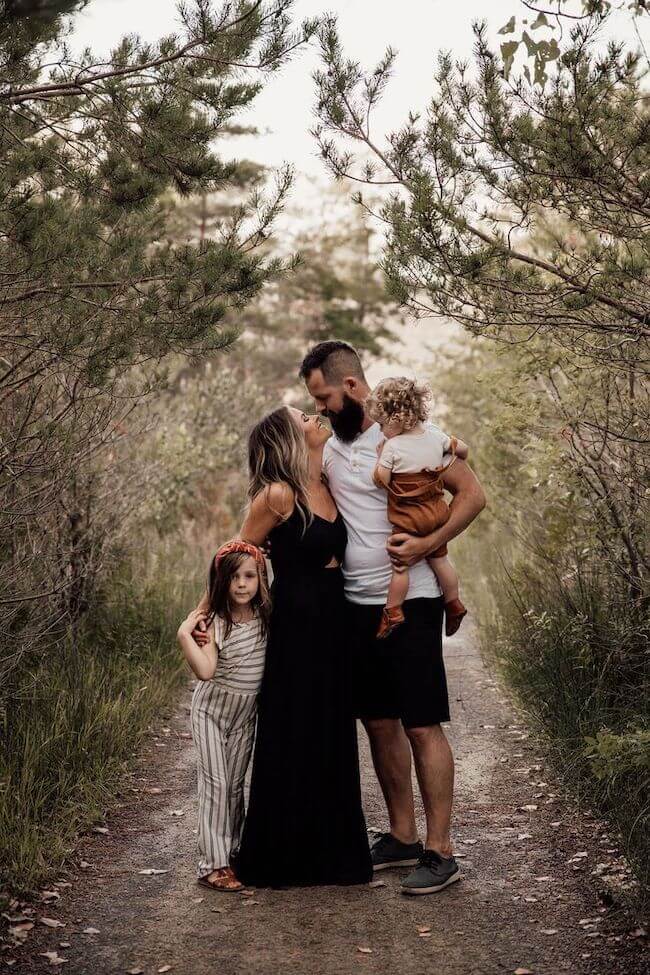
72,733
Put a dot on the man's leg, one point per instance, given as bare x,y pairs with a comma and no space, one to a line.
391,756
434,767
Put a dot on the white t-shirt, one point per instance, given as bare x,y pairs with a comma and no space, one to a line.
415,451
366,567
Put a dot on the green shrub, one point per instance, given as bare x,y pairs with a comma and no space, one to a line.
78,715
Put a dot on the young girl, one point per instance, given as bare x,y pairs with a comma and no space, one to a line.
409,468
224,704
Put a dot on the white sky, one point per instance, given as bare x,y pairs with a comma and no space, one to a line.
417,29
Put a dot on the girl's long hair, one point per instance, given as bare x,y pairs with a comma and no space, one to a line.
277,453
219,587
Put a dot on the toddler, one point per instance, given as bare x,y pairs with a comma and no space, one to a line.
224,705
410,464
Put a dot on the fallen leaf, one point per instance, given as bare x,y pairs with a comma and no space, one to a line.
20,931
90,931
152,872
50,895
84,864
153,791
197,900
543,880
424,934
378,883
247,893
53,957
423,928
51,922
248,903
64,944
364,951
522,971
164,968
100,829
217,910
136,971
525,836
549,930
176,812
529,808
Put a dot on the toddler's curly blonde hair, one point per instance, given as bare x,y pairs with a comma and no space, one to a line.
399,399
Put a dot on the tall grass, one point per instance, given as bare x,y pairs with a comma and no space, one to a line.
573,645
80,712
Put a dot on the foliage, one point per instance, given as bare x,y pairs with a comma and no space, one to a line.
475,180
98,300
546,571
68,738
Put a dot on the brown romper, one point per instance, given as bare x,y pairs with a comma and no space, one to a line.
416,502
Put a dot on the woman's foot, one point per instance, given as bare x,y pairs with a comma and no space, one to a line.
222,879
454,613
391,617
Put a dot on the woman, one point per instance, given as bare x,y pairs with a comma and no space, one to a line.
304,824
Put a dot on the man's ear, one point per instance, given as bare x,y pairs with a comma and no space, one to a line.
352,387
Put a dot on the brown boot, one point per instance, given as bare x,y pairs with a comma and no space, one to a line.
391,617
454,612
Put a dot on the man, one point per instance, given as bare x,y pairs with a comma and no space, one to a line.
399,683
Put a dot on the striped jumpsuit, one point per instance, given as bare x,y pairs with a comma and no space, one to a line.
223,716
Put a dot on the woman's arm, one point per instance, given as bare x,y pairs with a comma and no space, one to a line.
468,501
267,510
201,658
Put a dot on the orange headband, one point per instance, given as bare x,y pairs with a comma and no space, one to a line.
237,545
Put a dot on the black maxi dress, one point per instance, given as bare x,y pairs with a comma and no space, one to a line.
305,825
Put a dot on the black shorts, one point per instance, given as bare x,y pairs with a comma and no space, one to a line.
402,676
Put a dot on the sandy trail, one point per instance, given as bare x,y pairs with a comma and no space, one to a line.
526,901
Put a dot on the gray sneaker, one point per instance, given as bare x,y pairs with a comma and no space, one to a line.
432,873
386,851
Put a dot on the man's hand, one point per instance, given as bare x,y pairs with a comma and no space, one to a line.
200,633
406,549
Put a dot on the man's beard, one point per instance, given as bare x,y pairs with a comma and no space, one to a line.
347,422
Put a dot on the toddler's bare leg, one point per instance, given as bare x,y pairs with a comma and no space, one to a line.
446,576
399,585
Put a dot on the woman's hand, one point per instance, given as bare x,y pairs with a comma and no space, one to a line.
194,621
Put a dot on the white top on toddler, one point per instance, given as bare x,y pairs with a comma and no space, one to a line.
417,450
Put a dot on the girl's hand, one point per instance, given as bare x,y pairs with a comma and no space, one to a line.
191,622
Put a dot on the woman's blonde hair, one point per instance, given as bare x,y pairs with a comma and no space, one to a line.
277,453
399,399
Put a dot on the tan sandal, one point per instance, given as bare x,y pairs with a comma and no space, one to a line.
224,880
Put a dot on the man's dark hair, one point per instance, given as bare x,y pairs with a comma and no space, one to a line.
334,359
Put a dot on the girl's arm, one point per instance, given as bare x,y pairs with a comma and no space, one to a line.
202,659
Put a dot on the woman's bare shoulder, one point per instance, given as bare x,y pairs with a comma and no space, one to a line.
277,497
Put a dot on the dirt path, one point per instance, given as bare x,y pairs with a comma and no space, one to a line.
529,900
